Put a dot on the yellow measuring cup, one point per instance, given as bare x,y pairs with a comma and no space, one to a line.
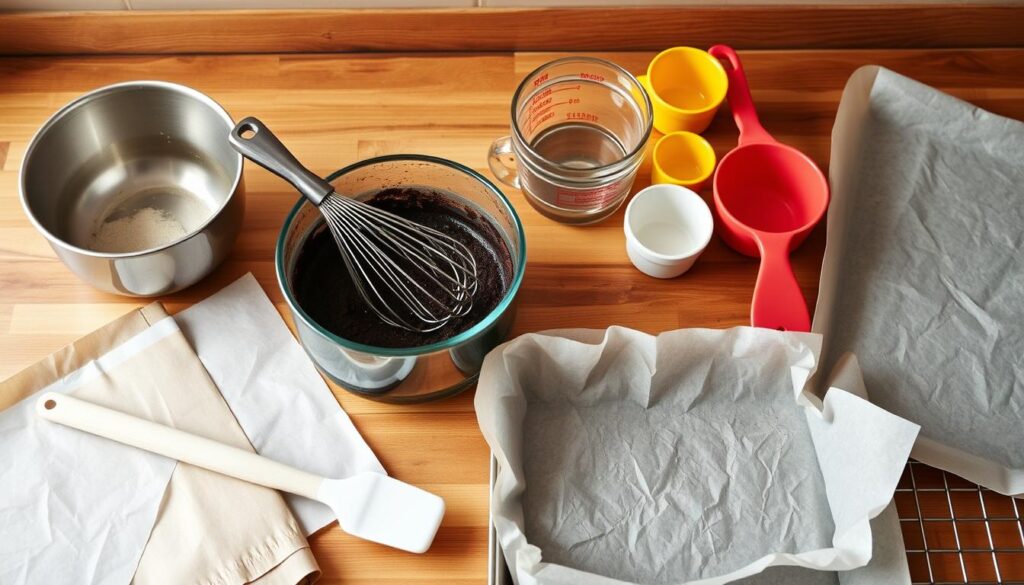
682,158
686,87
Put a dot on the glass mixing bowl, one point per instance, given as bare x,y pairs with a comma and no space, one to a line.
407,374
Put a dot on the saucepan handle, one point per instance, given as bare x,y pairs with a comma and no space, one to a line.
778,302
740,101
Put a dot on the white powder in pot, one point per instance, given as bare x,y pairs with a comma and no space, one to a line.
144,228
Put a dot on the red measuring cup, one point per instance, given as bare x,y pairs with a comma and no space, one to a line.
768,197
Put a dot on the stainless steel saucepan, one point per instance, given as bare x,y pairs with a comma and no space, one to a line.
135,186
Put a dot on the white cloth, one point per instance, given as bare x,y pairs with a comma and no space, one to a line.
274,391
75,508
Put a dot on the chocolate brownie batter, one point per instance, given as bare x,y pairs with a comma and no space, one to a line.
326,293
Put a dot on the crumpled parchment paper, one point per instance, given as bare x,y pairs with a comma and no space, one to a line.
690,457
923,275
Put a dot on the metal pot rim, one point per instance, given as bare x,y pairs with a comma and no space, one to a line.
449,343
98,93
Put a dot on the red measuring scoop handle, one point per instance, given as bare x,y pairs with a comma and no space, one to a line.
740,102
778,302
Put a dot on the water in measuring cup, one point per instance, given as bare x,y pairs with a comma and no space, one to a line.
578,145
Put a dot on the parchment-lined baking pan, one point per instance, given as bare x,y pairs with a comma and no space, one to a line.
603,390
923,271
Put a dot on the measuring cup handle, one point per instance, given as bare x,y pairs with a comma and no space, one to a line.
740,101
502,160
778,302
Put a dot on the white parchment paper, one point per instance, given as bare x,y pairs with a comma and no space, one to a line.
75,508
274,391
690,457
923,275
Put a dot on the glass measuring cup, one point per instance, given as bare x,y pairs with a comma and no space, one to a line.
579,128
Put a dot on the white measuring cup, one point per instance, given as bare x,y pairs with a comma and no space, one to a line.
579,128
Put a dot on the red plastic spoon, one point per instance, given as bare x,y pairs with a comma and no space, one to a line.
768,197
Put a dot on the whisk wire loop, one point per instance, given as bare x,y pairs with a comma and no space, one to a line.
393,279
411,276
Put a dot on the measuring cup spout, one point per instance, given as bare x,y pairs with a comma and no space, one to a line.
778,302
740,102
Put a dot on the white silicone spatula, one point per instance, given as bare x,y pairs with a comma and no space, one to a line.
368,505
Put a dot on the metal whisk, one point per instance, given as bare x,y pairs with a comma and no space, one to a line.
410,275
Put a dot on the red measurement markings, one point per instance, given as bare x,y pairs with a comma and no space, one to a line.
587,198
592,76
535,122
565,88
548,106
546,114
586,116
540,80
547,92
541,96
538,105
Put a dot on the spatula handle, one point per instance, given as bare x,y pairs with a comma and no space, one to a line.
175,444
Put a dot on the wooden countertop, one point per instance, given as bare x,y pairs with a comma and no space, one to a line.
333,109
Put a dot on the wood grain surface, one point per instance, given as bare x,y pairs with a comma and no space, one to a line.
335,109
798,26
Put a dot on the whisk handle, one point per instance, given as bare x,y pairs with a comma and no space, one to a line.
257,143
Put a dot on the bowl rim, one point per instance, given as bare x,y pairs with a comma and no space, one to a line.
694,141
723,78
732,224
99,93
444,344
669,190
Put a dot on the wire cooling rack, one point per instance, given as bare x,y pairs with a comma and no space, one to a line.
958,532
